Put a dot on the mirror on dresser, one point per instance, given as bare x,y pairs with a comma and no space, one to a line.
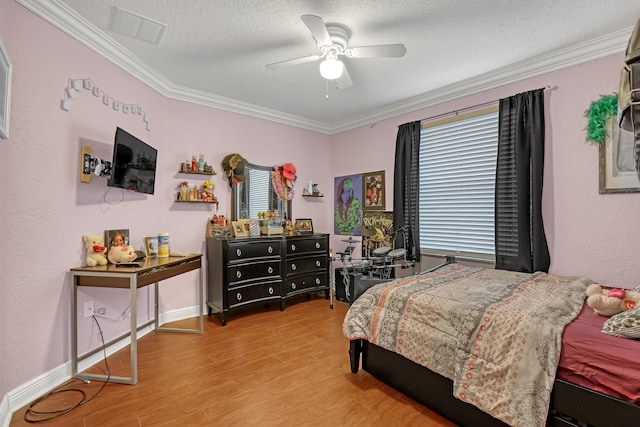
256,194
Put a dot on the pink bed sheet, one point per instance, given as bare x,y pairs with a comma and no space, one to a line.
600,362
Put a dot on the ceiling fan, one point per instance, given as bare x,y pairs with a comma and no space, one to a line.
333,42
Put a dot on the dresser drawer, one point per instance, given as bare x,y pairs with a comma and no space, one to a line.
254,293
259,270
302,283
305,245
241,251
306,264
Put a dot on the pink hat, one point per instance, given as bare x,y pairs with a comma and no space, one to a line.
289,171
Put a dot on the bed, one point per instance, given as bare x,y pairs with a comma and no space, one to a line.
494,348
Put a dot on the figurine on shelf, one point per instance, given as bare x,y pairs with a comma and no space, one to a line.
207,191
183,195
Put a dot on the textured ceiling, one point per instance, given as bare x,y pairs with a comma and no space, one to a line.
214,52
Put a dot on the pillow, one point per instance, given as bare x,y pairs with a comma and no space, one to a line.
625,324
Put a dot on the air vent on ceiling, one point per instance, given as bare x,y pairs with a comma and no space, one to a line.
137,26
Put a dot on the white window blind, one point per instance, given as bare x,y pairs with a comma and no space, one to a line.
260,192
457,180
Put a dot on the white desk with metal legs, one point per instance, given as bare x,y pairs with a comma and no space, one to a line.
151,270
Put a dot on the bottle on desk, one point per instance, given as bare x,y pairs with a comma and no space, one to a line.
163,245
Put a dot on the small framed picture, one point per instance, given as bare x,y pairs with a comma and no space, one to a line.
151,246
373,190
5,92
305,225
116,238
239,229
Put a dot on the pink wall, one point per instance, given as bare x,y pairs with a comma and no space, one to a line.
590,234
46,210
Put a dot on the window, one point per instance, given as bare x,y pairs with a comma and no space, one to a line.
457,179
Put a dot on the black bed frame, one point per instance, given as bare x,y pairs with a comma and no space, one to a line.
571,405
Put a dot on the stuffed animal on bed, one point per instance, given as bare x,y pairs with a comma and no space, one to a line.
607,302
124,253
95,250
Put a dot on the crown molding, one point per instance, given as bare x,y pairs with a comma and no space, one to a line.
69,21
597,48
66,19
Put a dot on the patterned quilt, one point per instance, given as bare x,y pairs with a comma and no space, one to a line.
496,334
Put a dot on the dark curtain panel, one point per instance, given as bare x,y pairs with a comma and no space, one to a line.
406,189
521,244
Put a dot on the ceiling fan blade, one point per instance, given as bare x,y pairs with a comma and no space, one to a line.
318,29
380,51
344,81
295,61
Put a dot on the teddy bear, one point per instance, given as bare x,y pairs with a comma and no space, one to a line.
607,302
119,254
95,250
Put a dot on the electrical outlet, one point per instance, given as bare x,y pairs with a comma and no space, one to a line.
88,309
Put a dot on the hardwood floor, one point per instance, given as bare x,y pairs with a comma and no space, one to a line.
266,368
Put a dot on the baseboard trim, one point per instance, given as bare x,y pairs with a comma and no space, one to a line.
30,391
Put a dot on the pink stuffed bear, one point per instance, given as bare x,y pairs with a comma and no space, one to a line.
607,302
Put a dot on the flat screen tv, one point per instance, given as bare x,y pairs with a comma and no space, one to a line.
134,164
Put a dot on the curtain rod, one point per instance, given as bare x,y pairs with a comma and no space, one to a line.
473,107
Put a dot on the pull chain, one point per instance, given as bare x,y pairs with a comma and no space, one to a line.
326,89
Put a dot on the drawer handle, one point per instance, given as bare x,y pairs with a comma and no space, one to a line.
293,286
270,270
238,252
317,245
238,274
270,290
293,267
239,296
317,263
293,247
317,280
270,249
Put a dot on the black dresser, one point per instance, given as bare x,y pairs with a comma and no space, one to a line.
264,269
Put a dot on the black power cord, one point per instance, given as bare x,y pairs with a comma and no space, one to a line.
42,416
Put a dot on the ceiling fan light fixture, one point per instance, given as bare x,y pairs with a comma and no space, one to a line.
331,68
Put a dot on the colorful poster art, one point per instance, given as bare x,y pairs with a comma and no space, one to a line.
348,205
373,190
378,227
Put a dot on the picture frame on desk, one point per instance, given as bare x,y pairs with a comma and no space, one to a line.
305,225
239,229
151,246
119,237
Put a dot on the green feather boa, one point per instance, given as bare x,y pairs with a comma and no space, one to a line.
599,113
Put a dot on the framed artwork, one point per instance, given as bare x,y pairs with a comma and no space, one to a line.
5,92
617,165
239,229
305,225
373,190
151,246
116,238
376,220
254,228
347,214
